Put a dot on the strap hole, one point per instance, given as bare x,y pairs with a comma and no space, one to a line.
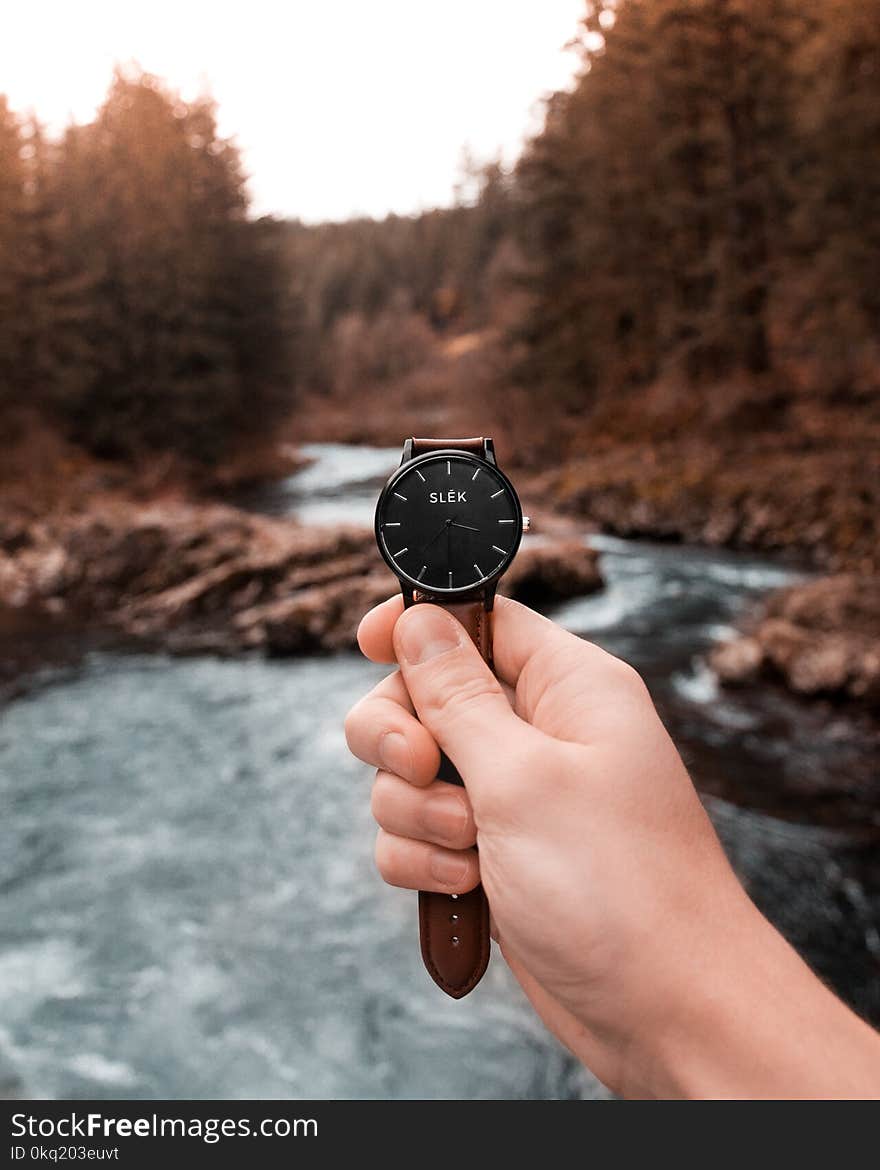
453,918
454,897
455,940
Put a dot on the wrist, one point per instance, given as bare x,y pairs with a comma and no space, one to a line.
752,1021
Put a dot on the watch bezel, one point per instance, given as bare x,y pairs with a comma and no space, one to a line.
461,591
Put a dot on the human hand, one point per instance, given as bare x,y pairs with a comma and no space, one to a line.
610,895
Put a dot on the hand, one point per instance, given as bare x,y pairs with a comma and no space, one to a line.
611,898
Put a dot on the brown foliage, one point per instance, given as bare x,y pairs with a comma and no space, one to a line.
142,310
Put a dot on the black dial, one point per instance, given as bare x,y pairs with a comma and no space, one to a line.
447,522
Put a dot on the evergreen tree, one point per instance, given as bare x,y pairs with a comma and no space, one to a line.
833,296
178,337
13,325
655,203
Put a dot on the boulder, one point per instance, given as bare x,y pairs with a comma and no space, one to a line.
196,576
821,638
548,573
739,661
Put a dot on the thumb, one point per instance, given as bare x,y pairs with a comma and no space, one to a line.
457,697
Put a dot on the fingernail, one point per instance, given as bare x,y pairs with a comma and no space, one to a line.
448,868
445,817
395,754
426,632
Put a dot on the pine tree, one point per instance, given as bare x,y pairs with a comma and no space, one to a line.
587,221
833,301
655,203
179,335
13,325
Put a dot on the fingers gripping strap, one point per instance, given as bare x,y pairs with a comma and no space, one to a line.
454,931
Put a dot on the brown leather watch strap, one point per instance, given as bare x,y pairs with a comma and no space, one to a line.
476,446
454,930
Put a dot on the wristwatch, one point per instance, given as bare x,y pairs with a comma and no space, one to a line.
448,524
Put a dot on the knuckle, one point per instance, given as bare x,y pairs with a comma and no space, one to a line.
386,858
377,798
385,801
471,876
460,836
466,835
353,721
625,676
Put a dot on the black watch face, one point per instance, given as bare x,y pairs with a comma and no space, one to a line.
448,522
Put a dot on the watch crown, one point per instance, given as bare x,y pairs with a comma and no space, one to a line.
527,523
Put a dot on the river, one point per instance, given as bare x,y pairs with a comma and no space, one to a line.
189,906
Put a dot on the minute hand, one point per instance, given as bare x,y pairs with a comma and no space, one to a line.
436,536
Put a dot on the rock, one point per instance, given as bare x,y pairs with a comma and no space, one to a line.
52,573
198,576
820,500
782,643
813,664
823,669
14,584
324,617
821,638
844,601
720,528
545,574
738,662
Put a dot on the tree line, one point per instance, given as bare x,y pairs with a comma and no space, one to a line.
372,297
702,205
707,200
140,308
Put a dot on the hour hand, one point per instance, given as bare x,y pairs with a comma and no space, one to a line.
469,527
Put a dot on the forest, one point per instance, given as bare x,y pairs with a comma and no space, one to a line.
140,309
673,294
672,297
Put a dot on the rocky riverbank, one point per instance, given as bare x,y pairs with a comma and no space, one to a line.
161,565
192,576
818,503
820,639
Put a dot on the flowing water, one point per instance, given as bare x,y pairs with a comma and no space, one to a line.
189,906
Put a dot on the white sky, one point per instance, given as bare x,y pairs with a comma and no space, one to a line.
340,107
